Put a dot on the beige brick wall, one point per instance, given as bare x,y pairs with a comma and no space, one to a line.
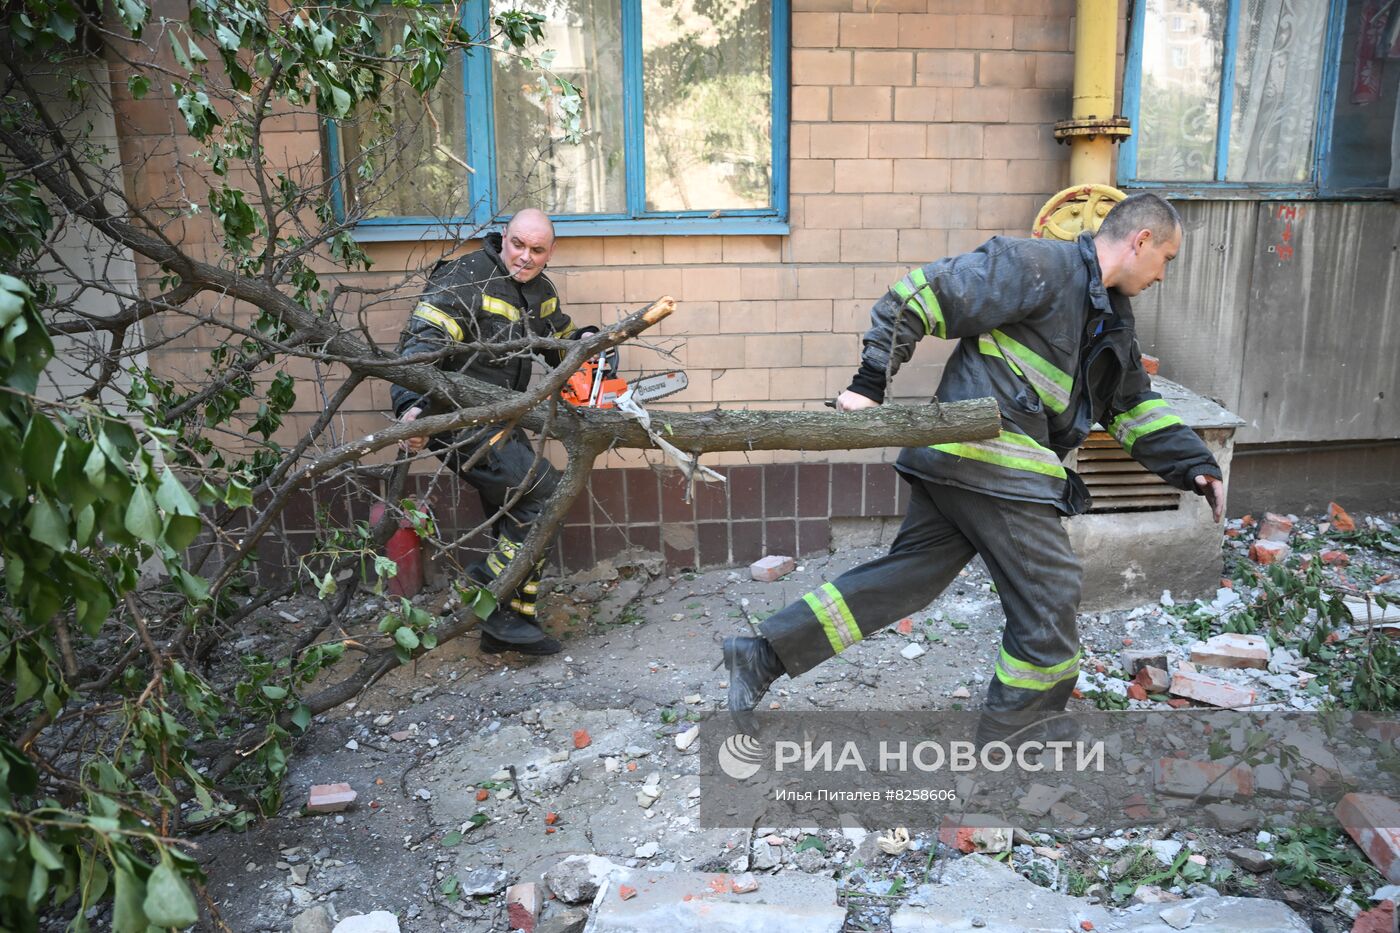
919,128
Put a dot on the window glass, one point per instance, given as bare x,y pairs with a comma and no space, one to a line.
414,166
535,165
707,67
1180,100
1366,128
1278,70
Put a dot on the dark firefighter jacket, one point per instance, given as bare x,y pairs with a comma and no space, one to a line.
1040,333
474,300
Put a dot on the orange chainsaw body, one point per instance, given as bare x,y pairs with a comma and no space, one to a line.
579,390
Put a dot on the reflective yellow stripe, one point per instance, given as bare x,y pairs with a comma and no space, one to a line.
1017,673
494,563
524,608
439,318
567,332
549,306
1141,420
1011,450
1051,383
830,608
500,307
917,295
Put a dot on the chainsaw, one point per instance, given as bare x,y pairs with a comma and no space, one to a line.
596,384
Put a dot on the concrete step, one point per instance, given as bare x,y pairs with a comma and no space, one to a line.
699,902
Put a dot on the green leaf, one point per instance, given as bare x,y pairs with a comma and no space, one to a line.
301,716
810,842
169,901
138,86
273,692
173,497
47,525
406,638
180,530
40,454
43,853
451,839
142,519
237,495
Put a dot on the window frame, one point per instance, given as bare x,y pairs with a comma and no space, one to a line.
636,221
1313,189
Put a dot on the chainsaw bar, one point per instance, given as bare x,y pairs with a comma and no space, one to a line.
651,388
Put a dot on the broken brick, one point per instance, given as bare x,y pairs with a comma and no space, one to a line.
968,837
329,798
743,884
1379,919
551,818
905,626
1208,690
523,906
582,739
482,794
1178,703
626,892
1208,780
1374,822
1268,552
1136,692
1275,528
1335,558
1134,661
1154,679
1233,651
771,568
1150,365
1339,518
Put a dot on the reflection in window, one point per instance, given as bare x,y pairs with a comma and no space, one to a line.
1180,104
414,165
535,166
707,103
1278,69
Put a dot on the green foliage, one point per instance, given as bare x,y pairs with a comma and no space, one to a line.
1321,857
96,490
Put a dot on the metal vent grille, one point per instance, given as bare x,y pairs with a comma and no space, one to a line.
1119,483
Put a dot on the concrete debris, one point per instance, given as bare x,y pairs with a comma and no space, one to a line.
699,902
313,920
1252,859
482,881
1039,798
1153,679
1179,917
1134,660
378,921
687,738
913,650
1209,780
576,878
977,888
1232,650
571,920
961,693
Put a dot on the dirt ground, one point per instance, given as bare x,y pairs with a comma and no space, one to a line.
427,743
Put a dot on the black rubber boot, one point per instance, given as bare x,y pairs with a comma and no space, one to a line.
753,665
545,645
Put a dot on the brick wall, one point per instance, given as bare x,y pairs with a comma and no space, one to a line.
919,129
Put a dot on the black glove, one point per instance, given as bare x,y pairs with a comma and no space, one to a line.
582,332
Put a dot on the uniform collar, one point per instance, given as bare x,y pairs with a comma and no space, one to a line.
492,247
1098,294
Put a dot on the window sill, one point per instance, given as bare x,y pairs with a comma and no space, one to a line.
400,231
1207,191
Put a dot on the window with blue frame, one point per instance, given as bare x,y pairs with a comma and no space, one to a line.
683,116
1290,98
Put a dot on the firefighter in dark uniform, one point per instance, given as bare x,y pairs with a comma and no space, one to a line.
498,293
1046,328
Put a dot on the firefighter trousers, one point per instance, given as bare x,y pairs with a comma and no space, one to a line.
1027,551
498,477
